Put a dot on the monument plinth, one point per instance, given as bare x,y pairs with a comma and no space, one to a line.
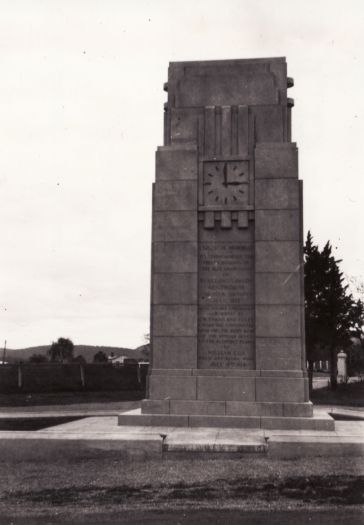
227,306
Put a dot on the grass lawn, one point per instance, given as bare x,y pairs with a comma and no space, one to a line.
351,394
110,485
97,400
71,491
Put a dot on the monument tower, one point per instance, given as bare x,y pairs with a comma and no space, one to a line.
227,301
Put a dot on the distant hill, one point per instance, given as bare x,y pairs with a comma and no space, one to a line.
144,351
87,351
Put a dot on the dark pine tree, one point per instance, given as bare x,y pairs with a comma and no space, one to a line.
331,314
313,280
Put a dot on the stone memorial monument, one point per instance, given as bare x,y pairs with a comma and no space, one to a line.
227,306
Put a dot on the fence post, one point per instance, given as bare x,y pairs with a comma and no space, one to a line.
342,374
20,377
82,374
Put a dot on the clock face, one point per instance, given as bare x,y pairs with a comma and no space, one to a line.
226,183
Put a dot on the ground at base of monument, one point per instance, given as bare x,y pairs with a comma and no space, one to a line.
93,471
96,490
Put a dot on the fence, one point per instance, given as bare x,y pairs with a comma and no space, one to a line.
71,377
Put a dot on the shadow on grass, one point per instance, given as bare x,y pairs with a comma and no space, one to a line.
68,398
350,394
344,490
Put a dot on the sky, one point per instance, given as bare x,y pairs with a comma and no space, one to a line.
81,114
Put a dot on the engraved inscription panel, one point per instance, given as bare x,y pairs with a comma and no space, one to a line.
226,337
226,301
225,273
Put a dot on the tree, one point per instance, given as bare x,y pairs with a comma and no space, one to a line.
79,359
100,357
356,351
313,270
358,321
38,358
355,360
145,351
61,351
331,314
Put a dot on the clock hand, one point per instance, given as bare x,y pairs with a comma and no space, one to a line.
234,183
225,183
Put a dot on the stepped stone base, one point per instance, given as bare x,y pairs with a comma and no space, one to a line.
225,408
255,399
136,418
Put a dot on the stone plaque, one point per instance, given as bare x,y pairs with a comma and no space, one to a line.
226,300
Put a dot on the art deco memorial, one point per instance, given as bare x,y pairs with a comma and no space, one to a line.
227,305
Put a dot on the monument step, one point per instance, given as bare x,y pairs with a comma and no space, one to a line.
321,421
215,448
226,408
